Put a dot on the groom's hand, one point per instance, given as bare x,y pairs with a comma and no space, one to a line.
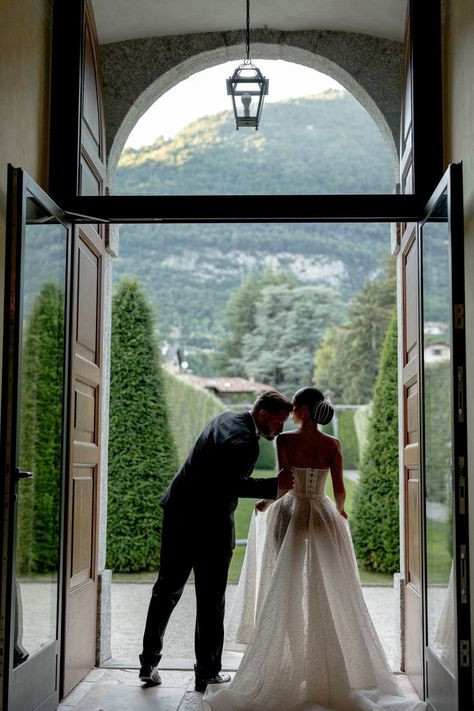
285,479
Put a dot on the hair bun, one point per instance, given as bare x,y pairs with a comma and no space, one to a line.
323,412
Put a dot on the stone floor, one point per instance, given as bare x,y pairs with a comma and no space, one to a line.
116,687
120,690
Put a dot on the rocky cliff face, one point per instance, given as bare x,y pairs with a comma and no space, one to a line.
316,145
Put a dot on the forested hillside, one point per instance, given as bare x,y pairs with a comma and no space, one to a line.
317,145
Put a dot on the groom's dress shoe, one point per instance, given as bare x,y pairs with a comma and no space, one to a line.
149,674
201,683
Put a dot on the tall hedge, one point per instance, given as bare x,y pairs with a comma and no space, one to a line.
347,435
41,417
190,408
361,424
267,456
142,454
375,515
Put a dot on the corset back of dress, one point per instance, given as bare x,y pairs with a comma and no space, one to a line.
310,481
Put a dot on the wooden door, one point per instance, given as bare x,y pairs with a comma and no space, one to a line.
447,644
86,362
83,481
412,500
33,443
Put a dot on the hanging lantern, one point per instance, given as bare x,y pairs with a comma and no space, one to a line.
248,87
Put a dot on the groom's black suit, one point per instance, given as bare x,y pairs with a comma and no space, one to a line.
198,534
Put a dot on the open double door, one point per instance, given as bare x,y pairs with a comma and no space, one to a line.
50,426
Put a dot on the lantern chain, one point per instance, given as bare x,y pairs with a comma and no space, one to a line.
247,45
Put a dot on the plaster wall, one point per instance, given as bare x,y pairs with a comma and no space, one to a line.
25,56
459,146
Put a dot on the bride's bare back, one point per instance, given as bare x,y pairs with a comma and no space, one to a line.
307,448
310,448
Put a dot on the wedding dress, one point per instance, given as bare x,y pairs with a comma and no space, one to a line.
299,609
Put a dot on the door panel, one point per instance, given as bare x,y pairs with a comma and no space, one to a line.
87,301
446,592
83,482
413,626
33,439
414,542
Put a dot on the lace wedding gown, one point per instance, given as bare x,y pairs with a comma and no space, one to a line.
299,608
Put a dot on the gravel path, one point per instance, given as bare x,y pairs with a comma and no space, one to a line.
130,604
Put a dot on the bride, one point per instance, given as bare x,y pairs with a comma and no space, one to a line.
311,645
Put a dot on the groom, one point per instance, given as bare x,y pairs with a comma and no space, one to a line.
198,530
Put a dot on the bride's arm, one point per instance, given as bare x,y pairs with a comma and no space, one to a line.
338,479
285,477
285,473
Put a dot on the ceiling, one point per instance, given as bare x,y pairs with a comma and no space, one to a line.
119,20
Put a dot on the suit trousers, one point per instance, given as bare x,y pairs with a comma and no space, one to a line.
189,544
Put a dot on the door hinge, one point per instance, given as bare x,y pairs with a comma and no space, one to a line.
460,393
464,654
458,315
462,485
463,586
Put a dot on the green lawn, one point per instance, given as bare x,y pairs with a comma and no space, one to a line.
243,514
439,551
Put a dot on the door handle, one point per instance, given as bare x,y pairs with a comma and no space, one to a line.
22,474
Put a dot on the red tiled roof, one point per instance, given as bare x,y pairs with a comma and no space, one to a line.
227,385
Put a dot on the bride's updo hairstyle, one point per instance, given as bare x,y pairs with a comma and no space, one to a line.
320,409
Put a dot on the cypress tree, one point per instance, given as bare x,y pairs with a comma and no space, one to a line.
142,454
375,517
41,411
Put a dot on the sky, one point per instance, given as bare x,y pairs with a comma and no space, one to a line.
205,93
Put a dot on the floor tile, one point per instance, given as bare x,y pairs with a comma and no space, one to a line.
106,697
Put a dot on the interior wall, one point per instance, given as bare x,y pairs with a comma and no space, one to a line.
25,56
459,146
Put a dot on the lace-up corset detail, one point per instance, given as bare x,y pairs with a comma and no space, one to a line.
309,481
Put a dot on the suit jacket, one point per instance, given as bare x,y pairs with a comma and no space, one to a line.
217,471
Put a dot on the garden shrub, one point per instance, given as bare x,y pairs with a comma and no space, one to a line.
190,409
347,436
267,457
41,412
361,424
142,453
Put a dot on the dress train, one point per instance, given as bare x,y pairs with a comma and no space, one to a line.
300,611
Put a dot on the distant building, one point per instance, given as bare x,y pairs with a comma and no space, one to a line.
437,352
232,391
435,328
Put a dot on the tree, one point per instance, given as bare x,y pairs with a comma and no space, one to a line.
350,359
41,432
329,363
374,522
142,455
240,317
289,326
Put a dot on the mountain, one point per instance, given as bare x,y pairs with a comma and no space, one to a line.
325,144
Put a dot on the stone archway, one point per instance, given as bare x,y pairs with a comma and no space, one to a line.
137,72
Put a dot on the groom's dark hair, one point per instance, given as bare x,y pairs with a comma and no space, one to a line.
272,401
